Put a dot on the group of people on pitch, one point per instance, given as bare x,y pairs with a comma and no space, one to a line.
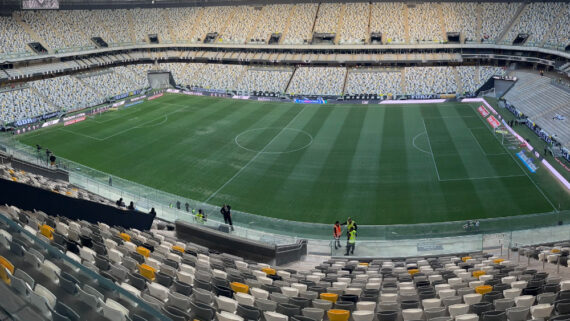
351,228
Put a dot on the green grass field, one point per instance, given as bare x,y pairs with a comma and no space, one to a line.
382,164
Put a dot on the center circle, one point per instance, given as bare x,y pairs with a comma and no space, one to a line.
260,140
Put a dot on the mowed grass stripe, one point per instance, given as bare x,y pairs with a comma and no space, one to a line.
334,174
426,197
272,176
303,179
365,166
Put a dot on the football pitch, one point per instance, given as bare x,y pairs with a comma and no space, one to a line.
383,164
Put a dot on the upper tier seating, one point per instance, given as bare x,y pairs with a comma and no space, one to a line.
355,23
13,38
388,18
546,22
495,17
300,24
424,23
536,20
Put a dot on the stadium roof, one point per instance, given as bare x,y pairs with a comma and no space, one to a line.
9,5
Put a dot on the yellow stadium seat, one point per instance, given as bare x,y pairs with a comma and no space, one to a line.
413,271
329,297
143,251
482,289
465,258
147,271
239,287
14,179
125,237
363,263
497,261
338,315
477,274
178,248
269,271
7,264
47,231
4,275
555,251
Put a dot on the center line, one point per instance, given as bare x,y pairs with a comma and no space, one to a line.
254,157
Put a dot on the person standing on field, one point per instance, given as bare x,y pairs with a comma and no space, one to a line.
350,244
337,231
226,212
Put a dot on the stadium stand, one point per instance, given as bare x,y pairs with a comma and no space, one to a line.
540,100
461,17
355,23
218,76
57,28
421,80
300,24
388,18
317,81
424,21
265,79
373,81
187,281
495,18
22,103
67,93
273,19
210,22
472,78
536,20
327,18
13,38
559,34
242,20
181,22
109,83
149,21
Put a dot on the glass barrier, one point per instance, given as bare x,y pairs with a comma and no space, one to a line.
269,230
86,276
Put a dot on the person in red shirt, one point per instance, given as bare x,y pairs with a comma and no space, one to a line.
336,234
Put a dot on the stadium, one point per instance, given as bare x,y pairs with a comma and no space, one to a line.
186,160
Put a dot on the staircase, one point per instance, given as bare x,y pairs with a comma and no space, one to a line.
458,81
315,20
403,83
478,30
228,21
166,17
130,25
339,24
92,89
554,24
369,21
197,23
43,98
441,21
345,81
512,22
260,14
290,79
291,14
30,31
406,24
